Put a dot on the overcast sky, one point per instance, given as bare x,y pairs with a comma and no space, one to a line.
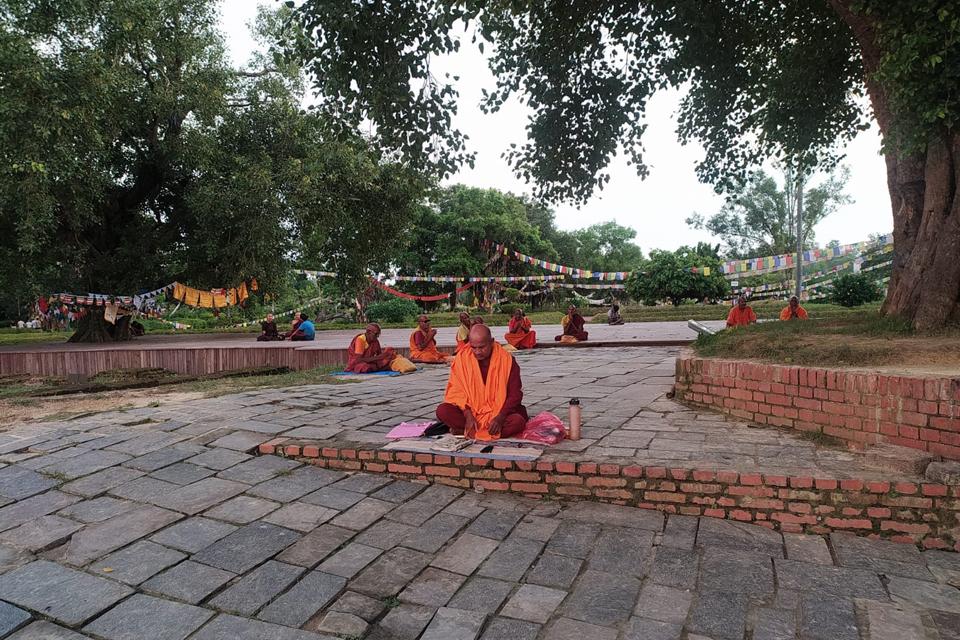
655,207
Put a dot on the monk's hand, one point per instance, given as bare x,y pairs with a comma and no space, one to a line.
495,425
470,424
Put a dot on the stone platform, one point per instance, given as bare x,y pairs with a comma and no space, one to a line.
159,523
198,354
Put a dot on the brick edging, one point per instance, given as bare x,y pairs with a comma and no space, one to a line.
923,513
859,407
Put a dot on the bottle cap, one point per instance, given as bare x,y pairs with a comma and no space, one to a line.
574,401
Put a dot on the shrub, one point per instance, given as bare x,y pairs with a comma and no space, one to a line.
397,310
855,289
512,295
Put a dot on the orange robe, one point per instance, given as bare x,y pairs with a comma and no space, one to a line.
359,348
521,334
738,318
428,352
466,387
463,334
786,314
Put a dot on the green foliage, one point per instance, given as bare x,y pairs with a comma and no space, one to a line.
855,289
667,276
151,159
779,80
395,310
759,218
605,246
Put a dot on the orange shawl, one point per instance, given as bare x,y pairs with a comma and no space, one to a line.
429,353
466,387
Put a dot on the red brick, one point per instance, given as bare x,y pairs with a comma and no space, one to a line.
800,507
503,464
740,514
545,466
609,469
903,527
715,513
801,482
850,484
375,467
750,478
351,454
664,496
947,451
907,488
776,481
292,450
310,451
878,512
566,467
825,484
400,456
449,472
395,467
523,465
632,471
945,424
878,487
933,490
850,511
794,519
613,494
529,487
655,472
606,482
349,465
761,503
489,485
700,487
484,474
842,523
442,459
522,476
727,477
758,492
935,543
679,474
587,468
572,491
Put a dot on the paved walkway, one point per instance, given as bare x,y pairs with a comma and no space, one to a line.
154,523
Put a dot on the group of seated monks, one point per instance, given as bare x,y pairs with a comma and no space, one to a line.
365,355
301,329
742,314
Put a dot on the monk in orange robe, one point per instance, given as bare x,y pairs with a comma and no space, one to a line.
484,396
463,331
365,355
793,311
423,344
520,331
741,315
572,324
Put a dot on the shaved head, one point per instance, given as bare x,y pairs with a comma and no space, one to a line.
481,341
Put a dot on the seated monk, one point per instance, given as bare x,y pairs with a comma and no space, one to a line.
365,354
520,331
463,331
423,344
741,315
613,316
793,311
268,330
294,325
573,324
484,396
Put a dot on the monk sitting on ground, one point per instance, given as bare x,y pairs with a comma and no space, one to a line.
741,315
520,332
305,331
613,316
463,331
484,396
793,311
268,330
423,344
294,325
365,354
573,324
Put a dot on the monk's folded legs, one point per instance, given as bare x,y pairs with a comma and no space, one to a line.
452,416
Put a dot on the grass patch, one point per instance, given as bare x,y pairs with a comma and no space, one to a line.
858,340
59,476
223,386
391,602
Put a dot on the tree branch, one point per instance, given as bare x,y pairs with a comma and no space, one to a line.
256,74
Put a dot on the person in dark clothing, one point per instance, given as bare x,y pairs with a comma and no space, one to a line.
268,330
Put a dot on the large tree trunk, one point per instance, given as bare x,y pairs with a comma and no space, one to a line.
925,284
93,328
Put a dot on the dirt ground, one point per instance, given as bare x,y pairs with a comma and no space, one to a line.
59,407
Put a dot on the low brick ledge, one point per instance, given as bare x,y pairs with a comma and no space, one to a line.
922,513
859,407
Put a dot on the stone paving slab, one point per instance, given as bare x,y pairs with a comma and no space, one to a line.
217,544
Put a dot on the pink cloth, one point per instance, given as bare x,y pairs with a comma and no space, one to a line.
408,430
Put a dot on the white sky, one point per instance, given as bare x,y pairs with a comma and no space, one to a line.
655,207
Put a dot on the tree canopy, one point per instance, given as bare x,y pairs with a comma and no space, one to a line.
132,154
781,81
758,218
667,275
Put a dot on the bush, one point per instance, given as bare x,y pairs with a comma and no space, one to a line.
855,289
512,295
397,310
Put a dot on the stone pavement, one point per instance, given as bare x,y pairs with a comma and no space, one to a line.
157,523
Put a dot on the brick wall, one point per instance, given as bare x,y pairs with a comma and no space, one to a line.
923,513
859,407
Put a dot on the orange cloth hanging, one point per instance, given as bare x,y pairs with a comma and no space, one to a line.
191,297
253,284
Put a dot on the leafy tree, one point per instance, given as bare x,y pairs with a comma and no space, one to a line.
605,246
667,275
765,80
759,218
394,310
855,289
132,154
